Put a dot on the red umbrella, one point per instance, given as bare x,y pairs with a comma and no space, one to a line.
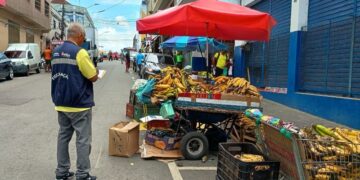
209,18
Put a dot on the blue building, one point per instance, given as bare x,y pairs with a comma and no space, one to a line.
312,61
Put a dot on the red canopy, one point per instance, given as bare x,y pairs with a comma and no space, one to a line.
209,18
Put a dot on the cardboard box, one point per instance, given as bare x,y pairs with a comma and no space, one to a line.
164,143
124,139
149,151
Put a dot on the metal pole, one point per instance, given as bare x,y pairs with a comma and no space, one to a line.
63,22
207,54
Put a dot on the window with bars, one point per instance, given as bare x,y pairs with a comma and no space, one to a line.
14,32
47,9
38,4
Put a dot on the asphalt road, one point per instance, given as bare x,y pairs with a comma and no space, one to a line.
28,131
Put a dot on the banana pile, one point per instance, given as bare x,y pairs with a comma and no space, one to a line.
252,158
235,86
173,81
197,87
170,85
336,152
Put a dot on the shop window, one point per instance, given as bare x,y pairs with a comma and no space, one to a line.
14,32
47,9
38,4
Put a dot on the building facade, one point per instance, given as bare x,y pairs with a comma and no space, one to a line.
80,15
24,21
312,60
53,37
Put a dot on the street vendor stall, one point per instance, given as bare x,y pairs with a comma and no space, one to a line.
219,20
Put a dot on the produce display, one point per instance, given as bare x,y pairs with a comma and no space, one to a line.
173,81
252,158
234,86
331,153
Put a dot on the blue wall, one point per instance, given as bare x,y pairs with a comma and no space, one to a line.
239,62
337,109
340,110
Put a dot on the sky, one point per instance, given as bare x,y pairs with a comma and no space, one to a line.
116,26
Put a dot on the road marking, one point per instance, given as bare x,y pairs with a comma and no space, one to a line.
98,159
197,168
174,170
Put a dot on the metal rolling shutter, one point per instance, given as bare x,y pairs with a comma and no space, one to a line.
271,58
326,61
256,57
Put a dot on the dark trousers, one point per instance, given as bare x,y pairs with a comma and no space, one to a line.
218,72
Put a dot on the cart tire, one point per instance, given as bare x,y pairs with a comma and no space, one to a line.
194,145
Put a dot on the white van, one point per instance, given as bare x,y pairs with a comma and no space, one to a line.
25,57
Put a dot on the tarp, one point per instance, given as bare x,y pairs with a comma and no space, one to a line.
192,43
210,18
2,2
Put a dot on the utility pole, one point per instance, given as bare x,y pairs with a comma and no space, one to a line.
63,22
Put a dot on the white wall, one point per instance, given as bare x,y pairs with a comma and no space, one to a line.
231,1
299,15
250,2
90,35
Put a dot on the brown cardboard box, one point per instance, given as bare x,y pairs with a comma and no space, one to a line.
124,139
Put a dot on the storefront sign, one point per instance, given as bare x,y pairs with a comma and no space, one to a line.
2,2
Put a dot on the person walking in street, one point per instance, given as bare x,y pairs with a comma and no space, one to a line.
127,61
220,61
139,59
72,92
110,54
47,57
179,60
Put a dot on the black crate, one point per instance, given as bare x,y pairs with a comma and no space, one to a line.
230,168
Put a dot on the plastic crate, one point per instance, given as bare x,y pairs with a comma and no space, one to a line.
130,110
140,112
132,97
230,168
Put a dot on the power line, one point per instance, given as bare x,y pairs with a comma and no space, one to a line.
111,7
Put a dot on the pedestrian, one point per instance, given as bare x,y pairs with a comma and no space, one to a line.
72,93
179,59
47,57
220,61
127,61
110,54
139,60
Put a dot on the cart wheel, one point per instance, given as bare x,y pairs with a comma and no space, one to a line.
194,145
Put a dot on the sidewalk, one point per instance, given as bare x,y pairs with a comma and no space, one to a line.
299,118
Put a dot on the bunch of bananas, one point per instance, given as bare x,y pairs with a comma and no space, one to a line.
334,150
196,86
235,86
170,84
252,158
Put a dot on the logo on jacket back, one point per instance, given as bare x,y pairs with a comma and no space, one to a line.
60,75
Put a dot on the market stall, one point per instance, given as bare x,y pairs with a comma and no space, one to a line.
315,152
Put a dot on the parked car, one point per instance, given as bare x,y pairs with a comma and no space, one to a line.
25,57
6,68
153,63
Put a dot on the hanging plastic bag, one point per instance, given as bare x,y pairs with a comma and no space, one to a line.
167,110
144,92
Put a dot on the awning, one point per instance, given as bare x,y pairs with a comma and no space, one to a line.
2,2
